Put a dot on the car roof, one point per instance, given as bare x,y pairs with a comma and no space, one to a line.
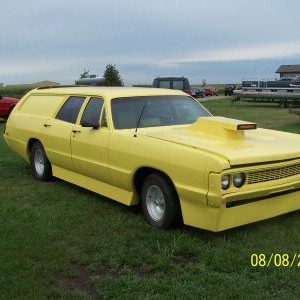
112,92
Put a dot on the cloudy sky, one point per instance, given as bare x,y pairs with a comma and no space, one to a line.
220,41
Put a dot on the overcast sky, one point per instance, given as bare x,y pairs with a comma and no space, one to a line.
221,41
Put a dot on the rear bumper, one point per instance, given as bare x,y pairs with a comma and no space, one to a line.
218,219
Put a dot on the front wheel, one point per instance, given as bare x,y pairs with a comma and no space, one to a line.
159,201
40,165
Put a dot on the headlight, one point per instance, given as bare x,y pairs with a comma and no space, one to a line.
239,179
225,181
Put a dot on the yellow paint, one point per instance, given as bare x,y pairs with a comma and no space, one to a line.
194,157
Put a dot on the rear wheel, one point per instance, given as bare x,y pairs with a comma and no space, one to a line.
159,201
40,165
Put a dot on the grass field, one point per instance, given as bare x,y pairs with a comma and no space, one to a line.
58,241
266,115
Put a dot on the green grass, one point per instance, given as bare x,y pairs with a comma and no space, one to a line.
266,115
58,241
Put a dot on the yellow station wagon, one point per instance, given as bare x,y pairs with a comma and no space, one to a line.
161,148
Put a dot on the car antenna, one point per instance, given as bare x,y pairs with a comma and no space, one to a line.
138,122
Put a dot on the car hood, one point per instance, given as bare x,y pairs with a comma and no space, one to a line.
232,140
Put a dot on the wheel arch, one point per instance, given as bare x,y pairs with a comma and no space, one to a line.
30,143
141,174
40,166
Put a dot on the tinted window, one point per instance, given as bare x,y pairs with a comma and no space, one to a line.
165,84
178,85
155,111
91,114
70,109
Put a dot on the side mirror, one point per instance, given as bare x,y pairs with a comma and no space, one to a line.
90,123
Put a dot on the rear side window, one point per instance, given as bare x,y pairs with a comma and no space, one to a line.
70,109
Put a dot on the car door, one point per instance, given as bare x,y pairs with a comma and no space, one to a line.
90,145
57,132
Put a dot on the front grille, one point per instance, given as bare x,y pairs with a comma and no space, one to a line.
273,174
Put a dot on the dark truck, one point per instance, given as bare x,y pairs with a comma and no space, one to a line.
175,83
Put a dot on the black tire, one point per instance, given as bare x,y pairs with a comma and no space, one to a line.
160,201
40,165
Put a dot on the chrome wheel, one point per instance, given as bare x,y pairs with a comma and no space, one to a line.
39,162
160,202
40,165
155,203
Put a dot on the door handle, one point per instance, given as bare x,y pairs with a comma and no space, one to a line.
75,131
47,125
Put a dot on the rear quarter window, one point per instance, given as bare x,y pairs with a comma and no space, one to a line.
41,105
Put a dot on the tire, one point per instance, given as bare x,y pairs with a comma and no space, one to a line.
159,201
40,165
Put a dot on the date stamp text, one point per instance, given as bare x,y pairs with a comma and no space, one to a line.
285,260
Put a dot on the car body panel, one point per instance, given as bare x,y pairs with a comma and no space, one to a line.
193,156
256,146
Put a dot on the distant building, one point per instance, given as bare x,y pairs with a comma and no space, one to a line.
1,84
289,70
34,85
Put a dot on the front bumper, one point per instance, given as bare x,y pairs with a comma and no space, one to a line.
221,218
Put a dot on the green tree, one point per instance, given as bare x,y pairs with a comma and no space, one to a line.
112,76
85,74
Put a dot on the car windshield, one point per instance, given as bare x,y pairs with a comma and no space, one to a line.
152,111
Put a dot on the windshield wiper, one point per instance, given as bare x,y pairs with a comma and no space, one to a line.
140,117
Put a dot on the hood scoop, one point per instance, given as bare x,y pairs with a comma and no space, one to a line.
222,127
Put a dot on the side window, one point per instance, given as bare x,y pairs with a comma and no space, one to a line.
70,109
91,114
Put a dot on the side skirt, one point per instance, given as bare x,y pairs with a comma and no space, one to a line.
96,186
